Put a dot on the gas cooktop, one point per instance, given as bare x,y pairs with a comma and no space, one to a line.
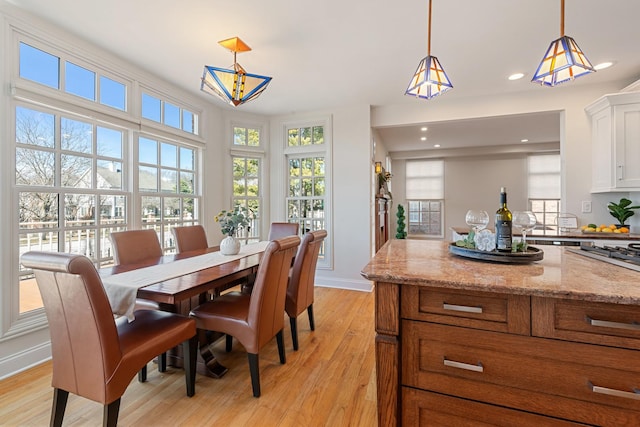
623,256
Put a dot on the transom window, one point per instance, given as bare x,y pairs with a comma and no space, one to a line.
44,68
161,111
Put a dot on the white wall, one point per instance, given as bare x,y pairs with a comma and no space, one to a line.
351,202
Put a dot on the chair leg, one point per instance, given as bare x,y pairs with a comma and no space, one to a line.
280,341
142,374
254,369
294,332
110,417
228,343
312,324
190,348
162,362
59,404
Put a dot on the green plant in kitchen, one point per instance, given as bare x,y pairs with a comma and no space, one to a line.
622,210
400,234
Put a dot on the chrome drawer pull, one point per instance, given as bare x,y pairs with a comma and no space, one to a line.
635,394
460,365
618,325
463,308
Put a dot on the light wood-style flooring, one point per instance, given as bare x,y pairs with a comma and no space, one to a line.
330,381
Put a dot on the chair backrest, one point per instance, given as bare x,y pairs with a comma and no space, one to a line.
300,290
269,291
278,230
190,238
84,338
132,246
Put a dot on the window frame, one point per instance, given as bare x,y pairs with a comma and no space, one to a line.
259,229
313,150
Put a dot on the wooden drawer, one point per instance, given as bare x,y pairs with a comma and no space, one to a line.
480,310
580,382
422,408
614,325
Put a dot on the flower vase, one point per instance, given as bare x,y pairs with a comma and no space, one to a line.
230,246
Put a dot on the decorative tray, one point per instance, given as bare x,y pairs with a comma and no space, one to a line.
532,254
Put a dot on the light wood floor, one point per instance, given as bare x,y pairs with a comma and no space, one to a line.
330,381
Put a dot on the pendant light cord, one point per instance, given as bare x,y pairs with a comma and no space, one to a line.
561,18
429,31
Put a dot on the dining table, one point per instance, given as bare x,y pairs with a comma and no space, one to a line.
178,283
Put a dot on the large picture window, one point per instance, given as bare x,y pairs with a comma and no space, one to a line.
75,178
247,158
307,176
69,183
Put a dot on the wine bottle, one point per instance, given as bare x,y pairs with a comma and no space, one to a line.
503,224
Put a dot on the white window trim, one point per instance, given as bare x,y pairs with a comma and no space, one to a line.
281,187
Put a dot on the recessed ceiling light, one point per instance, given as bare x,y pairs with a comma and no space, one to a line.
424,138
524,140
423,129
437,145
603,65
516,76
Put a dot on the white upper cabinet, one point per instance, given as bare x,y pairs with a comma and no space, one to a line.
615,142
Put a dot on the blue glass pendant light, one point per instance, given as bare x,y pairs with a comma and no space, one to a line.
234,86
429,80
564,60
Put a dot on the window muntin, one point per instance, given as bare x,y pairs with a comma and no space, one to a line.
425,218
247,191
306,196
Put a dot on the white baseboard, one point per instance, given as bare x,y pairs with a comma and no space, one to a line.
24,360
354,285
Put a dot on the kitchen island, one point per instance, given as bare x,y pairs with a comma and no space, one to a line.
466,342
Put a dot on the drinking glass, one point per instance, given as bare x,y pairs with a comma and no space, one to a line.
526,221
476,219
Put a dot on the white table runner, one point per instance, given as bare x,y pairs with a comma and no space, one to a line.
122,288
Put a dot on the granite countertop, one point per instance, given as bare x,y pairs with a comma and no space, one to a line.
561,273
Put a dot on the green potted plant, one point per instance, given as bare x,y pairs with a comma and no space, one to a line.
622,210
401,233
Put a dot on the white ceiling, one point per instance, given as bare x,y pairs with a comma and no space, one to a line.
327,53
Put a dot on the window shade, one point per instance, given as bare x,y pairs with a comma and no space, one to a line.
544,176
424,179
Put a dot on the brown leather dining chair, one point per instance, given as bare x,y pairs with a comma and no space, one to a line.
134,246
190,238
279,230
131,247
95,356
254,319
300,291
